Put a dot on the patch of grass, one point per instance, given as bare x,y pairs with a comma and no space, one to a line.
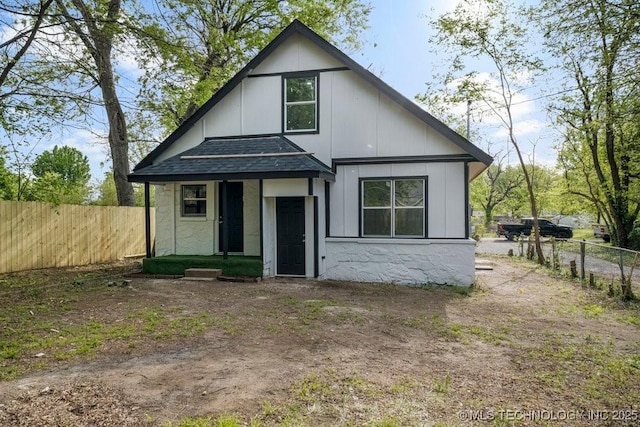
224,420
461,290
386,422
582,233
404,384
193,422
313,388
9,372
592,310
490,337
59,341
234,265
443,386
631,319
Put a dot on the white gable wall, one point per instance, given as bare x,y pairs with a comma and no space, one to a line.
297,54
355,118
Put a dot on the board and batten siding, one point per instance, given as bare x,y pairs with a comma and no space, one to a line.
356,119
445,196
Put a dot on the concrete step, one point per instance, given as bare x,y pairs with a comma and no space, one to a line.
199,279
207,273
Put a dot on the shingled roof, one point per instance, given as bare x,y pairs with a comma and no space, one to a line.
272,156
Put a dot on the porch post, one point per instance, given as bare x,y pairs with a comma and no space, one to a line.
147,219
261,191
225,227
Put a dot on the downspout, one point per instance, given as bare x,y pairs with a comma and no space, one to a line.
225,226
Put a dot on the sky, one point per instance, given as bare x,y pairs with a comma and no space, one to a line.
395,48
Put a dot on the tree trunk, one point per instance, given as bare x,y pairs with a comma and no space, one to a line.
532,197
118,140
97,35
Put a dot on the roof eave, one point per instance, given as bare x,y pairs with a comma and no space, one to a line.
141,177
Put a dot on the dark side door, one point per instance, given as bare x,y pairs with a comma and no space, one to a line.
234,217
290,236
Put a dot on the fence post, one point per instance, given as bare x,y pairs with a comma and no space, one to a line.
622,278
583,247
520,246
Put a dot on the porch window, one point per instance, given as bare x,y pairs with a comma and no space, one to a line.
301,104
393,207
194,200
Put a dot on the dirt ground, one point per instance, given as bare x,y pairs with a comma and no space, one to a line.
305,352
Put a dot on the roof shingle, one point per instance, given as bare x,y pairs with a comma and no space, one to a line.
266,160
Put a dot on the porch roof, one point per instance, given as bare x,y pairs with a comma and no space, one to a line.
246,157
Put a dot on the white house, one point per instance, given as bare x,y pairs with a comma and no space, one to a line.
309,161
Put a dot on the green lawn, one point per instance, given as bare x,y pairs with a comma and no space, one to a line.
234,265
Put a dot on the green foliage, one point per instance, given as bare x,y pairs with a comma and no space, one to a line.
107,195
194,47
634,238
495,188
6,178
497,35
69,163
61,176
597,46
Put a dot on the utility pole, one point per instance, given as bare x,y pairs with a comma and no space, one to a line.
469,119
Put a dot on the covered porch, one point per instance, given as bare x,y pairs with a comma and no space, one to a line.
248,196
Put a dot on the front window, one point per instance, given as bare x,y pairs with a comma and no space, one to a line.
194,200
300,106
393,207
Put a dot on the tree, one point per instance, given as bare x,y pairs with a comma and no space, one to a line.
494,187
107,193
485,29
6,190
98,24
21,21
598,44
61,175
204,43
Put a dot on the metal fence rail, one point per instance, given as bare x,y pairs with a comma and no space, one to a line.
593,262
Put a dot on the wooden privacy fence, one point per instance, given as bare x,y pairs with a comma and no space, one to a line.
40,235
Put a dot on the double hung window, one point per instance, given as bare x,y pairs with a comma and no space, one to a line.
301,104
393,207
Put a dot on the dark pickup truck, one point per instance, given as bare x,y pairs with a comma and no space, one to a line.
547,228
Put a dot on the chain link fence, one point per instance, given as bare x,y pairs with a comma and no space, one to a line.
598,264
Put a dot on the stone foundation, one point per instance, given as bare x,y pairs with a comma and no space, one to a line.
415,262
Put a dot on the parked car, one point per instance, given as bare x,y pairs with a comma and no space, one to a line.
547,228
601,231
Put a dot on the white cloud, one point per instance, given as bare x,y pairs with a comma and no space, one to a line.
523,128
490,111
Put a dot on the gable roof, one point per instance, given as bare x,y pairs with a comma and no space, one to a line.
297,27
254,157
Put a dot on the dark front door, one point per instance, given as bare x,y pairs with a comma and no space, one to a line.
232,197
290,235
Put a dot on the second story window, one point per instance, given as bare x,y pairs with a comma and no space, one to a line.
301,104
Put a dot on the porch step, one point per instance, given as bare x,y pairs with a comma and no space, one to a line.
484,264
202,273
